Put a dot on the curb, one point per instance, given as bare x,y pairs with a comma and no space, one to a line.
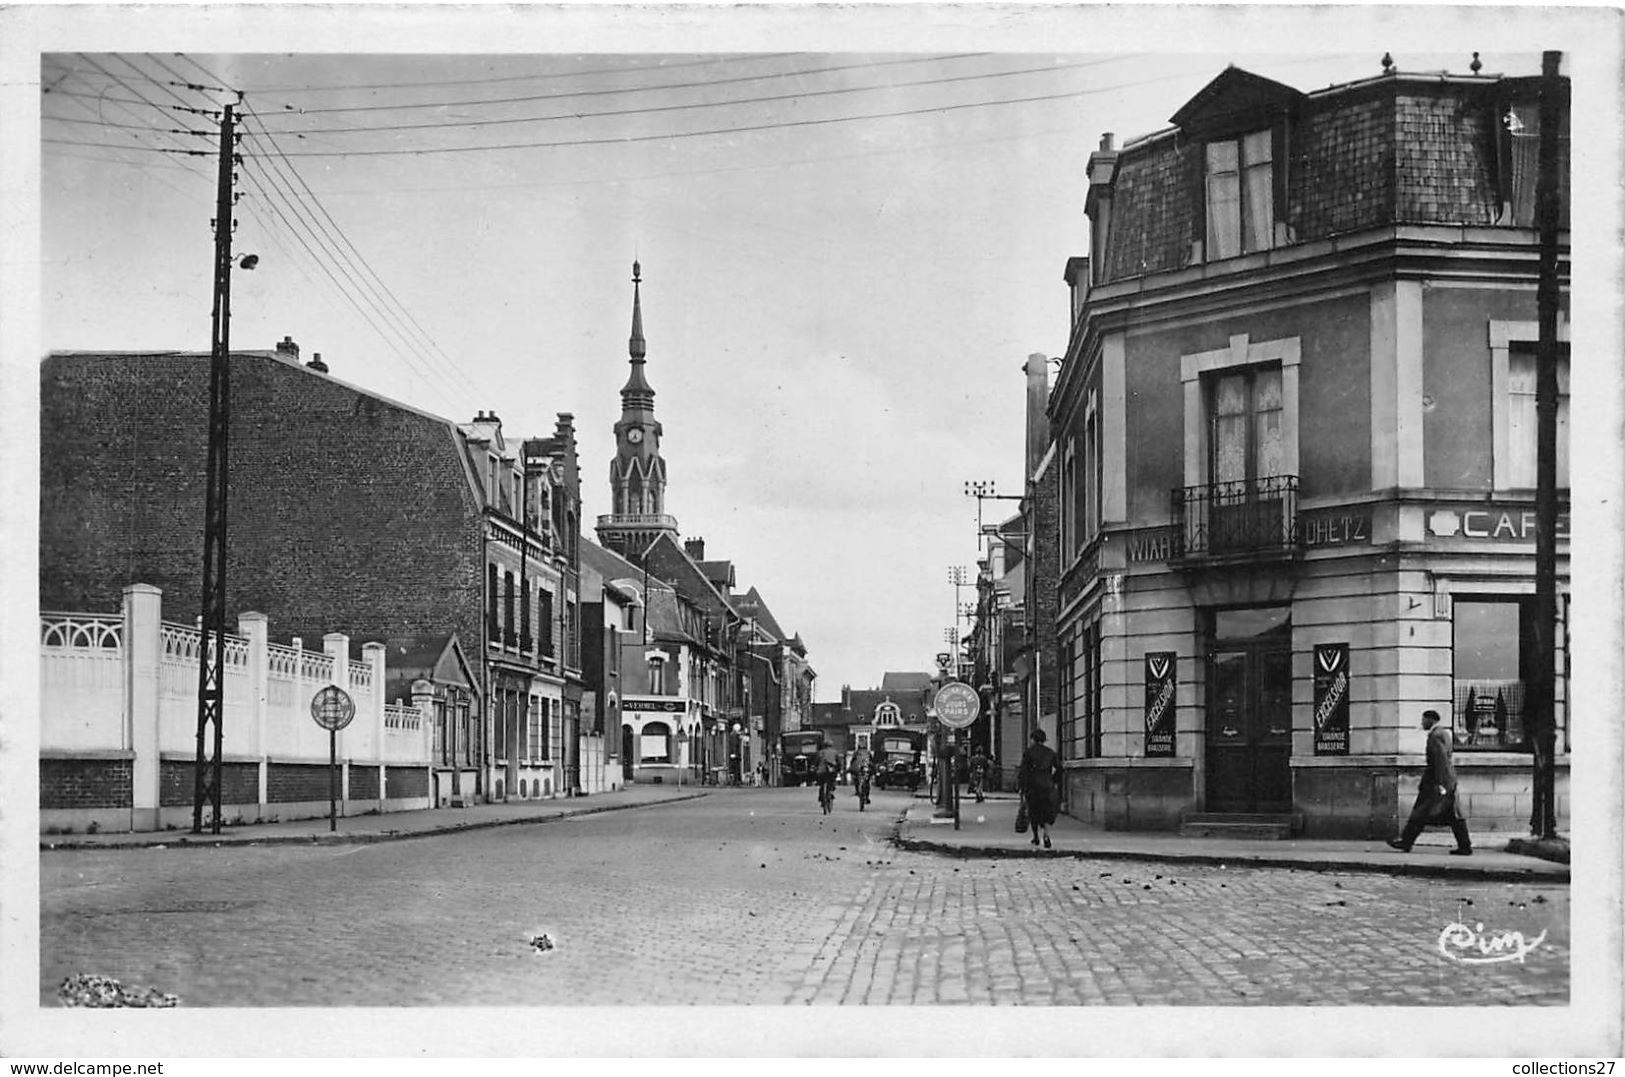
354,838
1418,870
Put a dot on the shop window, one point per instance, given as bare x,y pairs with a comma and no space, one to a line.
1240,178
1493,666
654,743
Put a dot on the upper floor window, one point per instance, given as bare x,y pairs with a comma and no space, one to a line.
1240,180
1522,423
887,714
1245,411
657,675
1512,401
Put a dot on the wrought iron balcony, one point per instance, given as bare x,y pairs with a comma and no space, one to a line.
1227,519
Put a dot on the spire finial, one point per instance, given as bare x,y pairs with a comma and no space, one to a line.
1476,66
636,346
1387,63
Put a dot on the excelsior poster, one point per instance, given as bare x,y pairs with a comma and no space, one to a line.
1331,699
1161,691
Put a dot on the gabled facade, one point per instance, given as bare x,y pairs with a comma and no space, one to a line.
1294,437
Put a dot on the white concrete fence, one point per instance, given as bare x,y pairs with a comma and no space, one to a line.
118,723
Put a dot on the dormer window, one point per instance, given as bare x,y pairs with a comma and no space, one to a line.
1240,195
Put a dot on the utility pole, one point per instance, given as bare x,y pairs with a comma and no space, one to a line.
1542,729
212,622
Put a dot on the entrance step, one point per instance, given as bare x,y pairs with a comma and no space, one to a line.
1250,825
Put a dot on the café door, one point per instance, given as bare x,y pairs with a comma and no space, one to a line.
1249,719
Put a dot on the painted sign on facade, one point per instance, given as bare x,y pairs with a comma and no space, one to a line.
1342,528
1156,544
1161,692
1494,522
670,706
1331,699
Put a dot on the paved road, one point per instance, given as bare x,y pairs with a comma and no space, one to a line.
751,896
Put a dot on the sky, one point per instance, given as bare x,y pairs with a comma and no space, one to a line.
848,249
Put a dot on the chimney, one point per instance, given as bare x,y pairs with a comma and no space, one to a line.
316,363
1038,434
288,348
695,548
1106,142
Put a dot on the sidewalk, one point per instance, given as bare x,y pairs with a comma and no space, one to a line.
392,826
994,836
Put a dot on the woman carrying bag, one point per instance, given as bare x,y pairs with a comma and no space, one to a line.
1039,781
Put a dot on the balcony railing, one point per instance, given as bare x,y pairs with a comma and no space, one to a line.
1251,516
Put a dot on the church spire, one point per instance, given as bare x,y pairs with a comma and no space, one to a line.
637,395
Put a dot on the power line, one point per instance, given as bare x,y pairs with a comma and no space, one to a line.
704,84
513,78
371,292
298,231
340,231
653,109
739,129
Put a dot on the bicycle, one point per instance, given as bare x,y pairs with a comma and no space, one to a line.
826,794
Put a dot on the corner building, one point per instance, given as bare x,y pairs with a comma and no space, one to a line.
1295,429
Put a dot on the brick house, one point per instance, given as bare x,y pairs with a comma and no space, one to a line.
349,513
1294,439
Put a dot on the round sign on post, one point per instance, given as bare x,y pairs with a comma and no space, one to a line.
332,708
957,704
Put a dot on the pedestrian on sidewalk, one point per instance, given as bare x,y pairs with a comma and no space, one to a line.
1436,802
1039,781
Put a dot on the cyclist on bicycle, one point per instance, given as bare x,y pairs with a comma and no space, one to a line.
826,767
861,767
979,767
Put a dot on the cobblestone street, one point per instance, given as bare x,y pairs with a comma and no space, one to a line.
751,896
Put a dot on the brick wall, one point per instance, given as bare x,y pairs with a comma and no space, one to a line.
363,783
287,782
84,783
400,782
239,783
348,513
1045,595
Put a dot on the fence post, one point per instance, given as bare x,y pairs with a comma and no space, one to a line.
423,700
337,646
373,655
256,628
143,653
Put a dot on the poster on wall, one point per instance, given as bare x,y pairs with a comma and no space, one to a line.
1160,695
1331,699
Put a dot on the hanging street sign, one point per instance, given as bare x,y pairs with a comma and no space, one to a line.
957,704
332,708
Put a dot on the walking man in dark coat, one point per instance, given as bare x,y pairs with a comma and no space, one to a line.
1436,799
